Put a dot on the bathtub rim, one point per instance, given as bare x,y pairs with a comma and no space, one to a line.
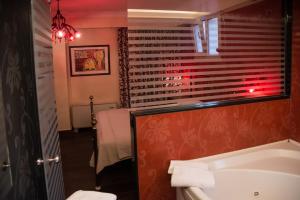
289,144
258,170
195,193
249,157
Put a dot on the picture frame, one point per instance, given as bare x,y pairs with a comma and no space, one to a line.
89,60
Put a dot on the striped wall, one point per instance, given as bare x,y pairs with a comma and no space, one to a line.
46,98
165,66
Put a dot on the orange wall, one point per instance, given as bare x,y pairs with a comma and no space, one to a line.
198,133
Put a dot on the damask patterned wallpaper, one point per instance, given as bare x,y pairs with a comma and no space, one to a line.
19,99
199,133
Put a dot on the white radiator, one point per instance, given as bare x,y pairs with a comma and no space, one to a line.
81,114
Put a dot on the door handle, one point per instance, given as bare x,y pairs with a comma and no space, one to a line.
56,159
5,166
39,161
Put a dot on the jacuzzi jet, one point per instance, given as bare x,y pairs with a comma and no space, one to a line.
256,194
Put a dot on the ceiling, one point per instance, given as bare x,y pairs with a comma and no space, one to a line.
93,13
91,5
71,7
108,10
184,5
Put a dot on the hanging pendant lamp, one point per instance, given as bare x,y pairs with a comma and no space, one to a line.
60,29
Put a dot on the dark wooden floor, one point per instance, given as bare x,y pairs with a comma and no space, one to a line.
76,151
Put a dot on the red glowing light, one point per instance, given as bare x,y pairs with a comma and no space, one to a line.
251,90
72,38
77,35
60,34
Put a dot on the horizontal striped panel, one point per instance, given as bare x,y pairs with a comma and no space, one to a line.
44,52
159,28
274,48
44,59
160,34
192,85
255,25
249,39
242,42
178,93
227,78
130,42
208,98
245,30
154,69
256,36
38,29
163,69
250,19
133,48
41,11
203,60
170,55
206,73
212,95
41,38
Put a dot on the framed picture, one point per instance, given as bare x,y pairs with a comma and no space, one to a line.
89,60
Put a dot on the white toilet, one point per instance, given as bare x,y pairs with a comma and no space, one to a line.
91,195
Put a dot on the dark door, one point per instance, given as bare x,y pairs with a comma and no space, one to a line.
27,133
20,127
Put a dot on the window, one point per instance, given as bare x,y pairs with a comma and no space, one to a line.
198,39
212,41
213,36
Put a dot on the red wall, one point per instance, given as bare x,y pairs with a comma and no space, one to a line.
198,133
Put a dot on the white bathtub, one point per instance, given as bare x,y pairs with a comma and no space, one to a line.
268,172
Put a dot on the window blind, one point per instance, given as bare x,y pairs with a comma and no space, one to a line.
165,65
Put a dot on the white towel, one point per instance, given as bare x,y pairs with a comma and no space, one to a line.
186,163
197,193
91,195
192,177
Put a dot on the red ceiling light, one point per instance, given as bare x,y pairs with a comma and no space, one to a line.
60,29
